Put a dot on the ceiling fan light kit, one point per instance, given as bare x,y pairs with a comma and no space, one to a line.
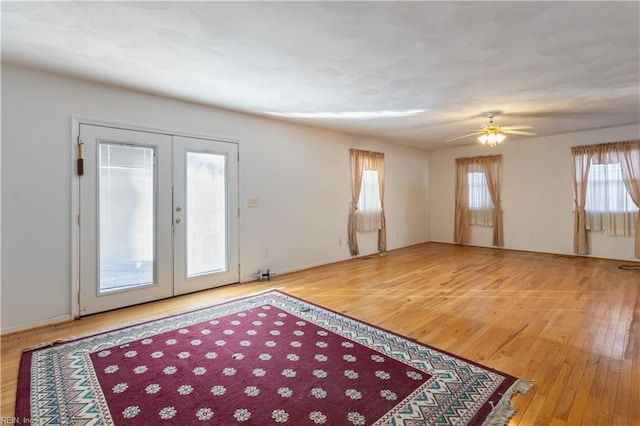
492,134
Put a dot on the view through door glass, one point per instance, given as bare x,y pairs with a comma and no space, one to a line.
126,216
206,213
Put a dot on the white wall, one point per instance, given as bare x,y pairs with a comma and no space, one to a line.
537,193
300,175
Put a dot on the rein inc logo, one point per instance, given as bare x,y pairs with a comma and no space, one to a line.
15,420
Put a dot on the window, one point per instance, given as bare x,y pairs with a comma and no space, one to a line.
367,198
608,206
480,204
368,216
606,191
478,183
606,178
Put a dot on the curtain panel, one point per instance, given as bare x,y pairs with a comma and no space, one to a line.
361,161
480,204
491,166
368,217
627,154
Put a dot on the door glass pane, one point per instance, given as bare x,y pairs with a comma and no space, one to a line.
206,213
127,216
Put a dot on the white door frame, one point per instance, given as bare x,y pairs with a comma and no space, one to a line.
76,121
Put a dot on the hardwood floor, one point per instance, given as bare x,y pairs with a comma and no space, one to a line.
570,324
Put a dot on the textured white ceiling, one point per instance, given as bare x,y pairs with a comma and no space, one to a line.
559,66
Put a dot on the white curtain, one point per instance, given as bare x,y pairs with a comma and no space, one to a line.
369,213
609,207
480,204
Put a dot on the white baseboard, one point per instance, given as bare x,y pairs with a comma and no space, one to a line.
48,321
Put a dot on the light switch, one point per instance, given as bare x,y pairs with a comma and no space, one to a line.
253,203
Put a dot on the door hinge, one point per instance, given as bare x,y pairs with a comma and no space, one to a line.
78,220
238,156
79,303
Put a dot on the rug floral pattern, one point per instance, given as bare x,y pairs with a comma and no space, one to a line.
258,360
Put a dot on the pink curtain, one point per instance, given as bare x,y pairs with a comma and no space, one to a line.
629,158
461,224
377,162
357,168
581,163
492,167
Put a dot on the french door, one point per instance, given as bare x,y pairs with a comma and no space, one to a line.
158,216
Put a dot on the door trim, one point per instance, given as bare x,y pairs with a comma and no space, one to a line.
75,123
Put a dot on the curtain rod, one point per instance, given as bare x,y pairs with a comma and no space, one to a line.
607,144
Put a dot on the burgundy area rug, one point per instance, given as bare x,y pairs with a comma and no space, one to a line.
260,360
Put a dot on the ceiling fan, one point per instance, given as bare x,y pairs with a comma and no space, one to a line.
492,134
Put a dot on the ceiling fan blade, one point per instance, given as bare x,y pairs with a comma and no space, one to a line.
522,127
518,132
553,113
465,136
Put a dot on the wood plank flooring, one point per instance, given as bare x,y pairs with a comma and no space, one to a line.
570,324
